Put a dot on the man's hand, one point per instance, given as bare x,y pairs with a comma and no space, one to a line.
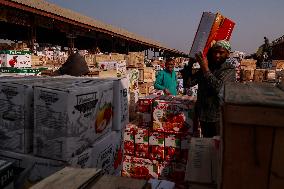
167,92
203,62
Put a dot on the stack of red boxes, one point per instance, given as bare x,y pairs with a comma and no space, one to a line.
158,148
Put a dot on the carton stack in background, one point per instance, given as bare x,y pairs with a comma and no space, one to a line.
156,145
249,72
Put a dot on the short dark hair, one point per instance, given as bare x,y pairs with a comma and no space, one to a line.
169,60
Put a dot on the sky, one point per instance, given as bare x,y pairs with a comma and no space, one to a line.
174,22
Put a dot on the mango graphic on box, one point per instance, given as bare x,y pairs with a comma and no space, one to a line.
103,118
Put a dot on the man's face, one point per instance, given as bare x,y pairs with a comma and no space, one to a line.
219,55
170,65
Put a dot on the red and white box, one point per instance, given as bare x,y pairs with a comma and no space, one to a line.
173,114
145,103
140,168
129,138
142,142
118,146
156,145
172,147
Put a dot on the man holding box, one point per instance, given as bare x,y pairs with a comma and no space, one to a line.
214,72
166,80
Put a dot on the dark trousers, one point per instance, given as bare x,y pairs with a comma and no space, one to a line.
210,129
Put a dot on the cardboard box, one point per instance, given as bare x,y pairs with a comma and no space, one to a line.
248,64
129,138
173,114
259,75
28,169
16,117
199,166
156,145
140,168
253,122
147,74
103,154
142,142
247,75
118,66
133,97
270,75
6,175
145,103
70,117
118,146
278,64
16,59
172,147
135,59
133,76
203,32
90,59
120,103
16,113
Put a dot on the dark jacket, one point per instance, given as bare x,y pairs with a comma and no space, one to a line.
210,86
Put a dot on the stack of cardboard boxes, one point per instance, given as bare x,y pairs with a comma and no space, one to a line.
156,145
249,72
50,123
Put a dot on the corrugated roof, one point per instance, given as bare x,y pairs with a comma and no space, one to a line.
74,16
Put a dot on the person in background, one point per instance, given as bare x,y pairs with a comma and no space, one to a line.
214,72
166,79
75,65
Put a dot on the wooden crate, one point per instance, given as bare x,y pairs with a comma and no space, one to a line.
253,136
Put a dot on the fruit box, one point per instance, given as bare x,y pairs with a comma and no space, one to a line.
145,103
172,147
156,145
118,146
129,138
142,142
15,59
70,117
173,114
140,168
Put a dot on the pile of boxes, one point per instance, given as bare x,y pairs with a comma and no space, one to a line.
249,72
49,123
156,145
